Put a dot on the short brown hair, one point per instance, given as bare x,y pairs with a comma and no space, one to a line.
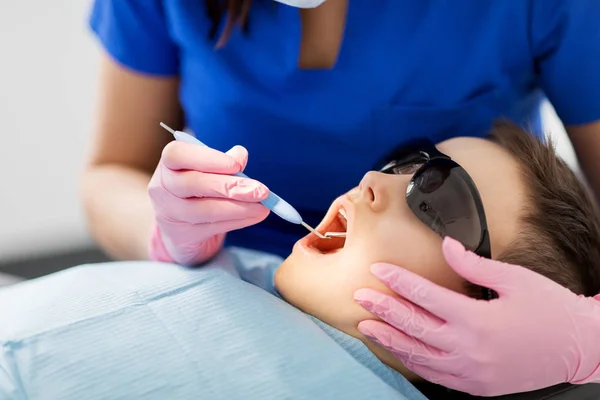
560,238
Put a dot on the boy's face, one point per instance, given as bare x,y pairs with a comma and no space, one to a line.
381,228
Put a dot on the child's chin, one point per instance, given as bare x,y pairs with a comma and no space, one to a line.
279,277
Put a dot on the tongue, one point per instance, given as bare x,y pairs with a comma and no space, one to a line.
328,245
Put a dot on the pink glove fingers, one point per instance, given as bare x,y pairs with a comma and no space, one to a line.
206,211
156,249
234,224
189,253
438,300
202,240
196,201
240,155
406,317
181,156
190,184
497,276
406,348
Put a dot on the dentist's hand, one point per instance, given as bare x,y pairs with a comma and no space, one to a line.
197,201
536,334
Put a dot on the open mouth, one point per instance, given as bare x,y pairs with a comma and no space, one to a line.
336,221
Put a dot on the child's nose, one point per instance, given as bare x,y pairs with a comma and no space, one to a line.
374,191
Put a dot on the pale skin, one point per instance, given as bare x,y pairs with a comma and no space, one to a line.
127,141
381,228
126,147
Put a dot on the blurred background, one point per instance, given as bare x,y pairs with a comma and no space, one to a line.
47,88
49,64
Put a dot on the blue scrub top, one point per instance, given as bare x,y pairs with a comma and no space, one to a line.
406,68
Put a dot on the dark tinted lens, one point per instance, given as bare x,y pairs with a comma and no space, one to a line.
407,169
441,198
405,166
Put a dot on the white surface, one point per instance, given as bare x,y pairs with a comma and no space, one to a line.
556,133
47,78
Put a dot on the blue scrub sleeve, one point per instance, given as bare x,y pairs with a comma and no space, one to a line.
566,46
135,33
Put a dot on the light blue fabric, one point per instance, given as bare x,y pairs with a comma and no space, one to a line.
143,330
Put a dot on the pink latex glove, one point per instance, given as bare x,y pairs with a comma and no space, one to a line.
197,201
536,334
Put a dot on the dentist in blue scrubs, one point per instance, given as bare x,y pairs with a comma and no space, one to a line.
315,92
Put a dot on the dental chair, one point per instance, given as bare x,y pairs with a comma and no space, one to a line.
565,391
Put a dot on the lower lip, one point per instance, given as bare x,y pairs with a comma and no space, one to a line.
303,245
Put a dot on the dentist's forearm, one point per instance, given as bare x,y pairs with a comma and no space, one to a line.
118,209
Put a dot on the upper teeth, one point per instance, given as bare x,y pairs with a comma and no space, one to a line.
344,221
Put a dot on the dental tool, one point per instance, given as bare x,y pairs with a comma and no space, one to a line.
273,202
335,234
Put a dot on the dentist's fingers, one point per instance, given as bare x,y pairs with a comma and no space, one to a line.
189,184
181,156
439,301
410,351
406,317
429,363
205,210
216,228
196,201
481,271
239,154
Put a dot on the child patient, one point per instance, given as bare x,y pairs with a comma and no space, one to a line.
536,213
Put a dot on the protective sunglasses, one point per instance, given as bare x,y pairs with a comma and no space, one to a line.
443,196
